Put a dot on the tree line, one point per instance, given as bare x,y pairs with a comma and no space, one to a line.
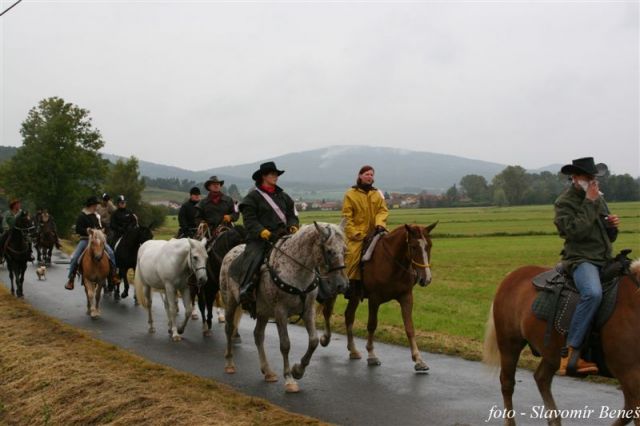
184,185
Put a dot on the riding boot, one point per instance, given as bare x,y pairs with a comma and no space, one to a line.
114,279
580,366
353,290
72,278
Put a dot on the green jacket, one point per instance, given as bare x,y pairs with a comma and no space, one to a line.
257,214
10,219
581,224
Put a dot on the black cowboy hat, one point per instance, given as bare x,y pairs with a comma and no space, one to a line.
584,166
91,201
194,191
212,179
266,168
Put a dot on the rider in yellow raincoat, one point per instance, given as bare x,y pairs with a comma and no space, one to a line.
364,210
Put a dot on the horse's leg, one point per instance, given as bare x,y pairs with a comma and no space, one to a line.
147,295
125,281
219,306
544,375
90,291
630,384
191,310
209,297
290,384
310,324
509,355
406,305
349,317
188,304
372,324
20,281
327,310
258,337
231,311
171,306
11,277
98,296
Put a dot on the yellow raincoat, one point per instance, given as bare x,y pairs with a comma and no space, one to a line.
362,211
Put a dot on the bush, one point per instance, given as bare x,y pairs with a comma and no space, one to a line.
151,215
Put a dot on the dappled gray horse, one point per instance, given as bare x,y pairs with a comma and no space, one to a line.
297,268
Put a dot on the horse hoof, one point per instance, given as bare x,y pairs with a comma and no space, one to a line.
220,319
421,367
355,355
94,316
230,370
116,295
176,338
297,372
292,388
236,340
194,316
152,330
270,378
207,333
373,362
124,294
324,341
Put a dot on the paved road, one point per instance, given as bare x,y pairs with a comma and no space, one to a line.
335,389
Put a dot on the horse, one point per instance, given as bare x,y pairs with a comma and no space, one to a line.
226,237
94,268
167,266
126,254
512,325
288,286
45,240
399,260
17,251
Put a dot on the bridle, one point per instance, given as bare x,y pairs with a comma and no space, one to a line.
190,262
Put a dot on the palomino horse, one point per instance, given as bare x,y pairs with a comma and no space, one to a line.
512,325
18,250
94,268
224,238
167,266
400,259
46,239
288,286
126,254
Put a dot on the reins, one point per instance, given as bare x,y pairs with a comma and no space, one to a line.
409,257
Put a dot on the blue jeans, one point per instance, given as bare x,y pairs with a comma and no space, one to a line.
82,245
587,279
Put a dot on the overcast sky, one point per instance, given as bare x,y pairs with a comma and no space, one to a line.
202,84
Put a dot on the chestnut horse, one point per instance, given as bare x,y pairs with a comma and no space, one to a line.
399,261
95,270
512,325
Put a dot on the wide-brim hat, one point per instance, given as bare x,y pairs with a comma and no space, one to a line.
13,202
212,179
91,201
266,168
584,166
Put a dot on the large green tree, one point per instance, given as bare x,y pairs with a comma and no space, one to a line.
514,181
58,165
475,187
124,179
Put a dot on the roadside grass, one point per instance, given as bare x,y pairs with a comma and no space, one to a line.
51,373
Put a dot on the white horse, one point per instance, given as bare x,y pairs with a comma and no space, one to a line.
167,267
299,268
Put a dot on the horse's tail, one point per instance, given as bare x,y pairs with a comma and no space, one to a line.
491,352
137,282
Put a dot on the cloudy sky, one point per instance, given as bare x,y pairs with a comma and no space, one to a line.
199,84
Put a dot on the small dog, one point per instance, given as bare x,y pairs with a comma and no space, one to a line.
41,271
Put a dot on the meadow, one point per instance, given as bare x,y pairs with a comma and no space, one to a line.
473,249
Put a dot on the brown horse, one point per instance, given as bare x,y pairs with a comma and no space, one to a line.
512,325
400,259
46,239
94,270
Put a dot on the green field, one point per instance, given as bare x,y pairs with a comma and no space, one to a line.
473,249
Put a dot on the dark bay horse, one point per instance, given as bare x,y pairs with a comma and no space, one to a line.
399,261
126,254
512,325
46,239
94,268
17,251
223,239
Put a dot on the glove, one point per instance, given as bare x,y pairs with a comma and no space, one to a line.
226,218
265,234
293,229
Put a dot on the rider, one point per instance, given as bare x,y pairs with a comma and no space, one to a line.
46,217
588,229
15,208
268,214
105,210
88,219
364,210
121,220
217,208
187,214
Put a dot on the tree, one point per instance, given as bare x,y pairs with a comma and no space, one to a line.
514,181
124,179
234,192
500,198
58,165
475,187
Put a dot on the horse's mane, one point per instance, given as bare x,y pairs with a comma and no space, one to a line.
635,268
97,234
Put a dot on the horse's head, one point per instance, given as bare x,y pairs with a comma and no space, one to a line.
97,242
24,224
333,246
197,260
419,251
144,234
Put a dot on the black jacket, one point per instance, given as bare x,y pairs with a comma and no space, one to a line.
213,213
187,216
84,221
121,219
257,214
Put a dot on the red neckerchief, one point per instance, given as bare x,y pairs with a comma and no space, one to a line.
268,189
215,197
